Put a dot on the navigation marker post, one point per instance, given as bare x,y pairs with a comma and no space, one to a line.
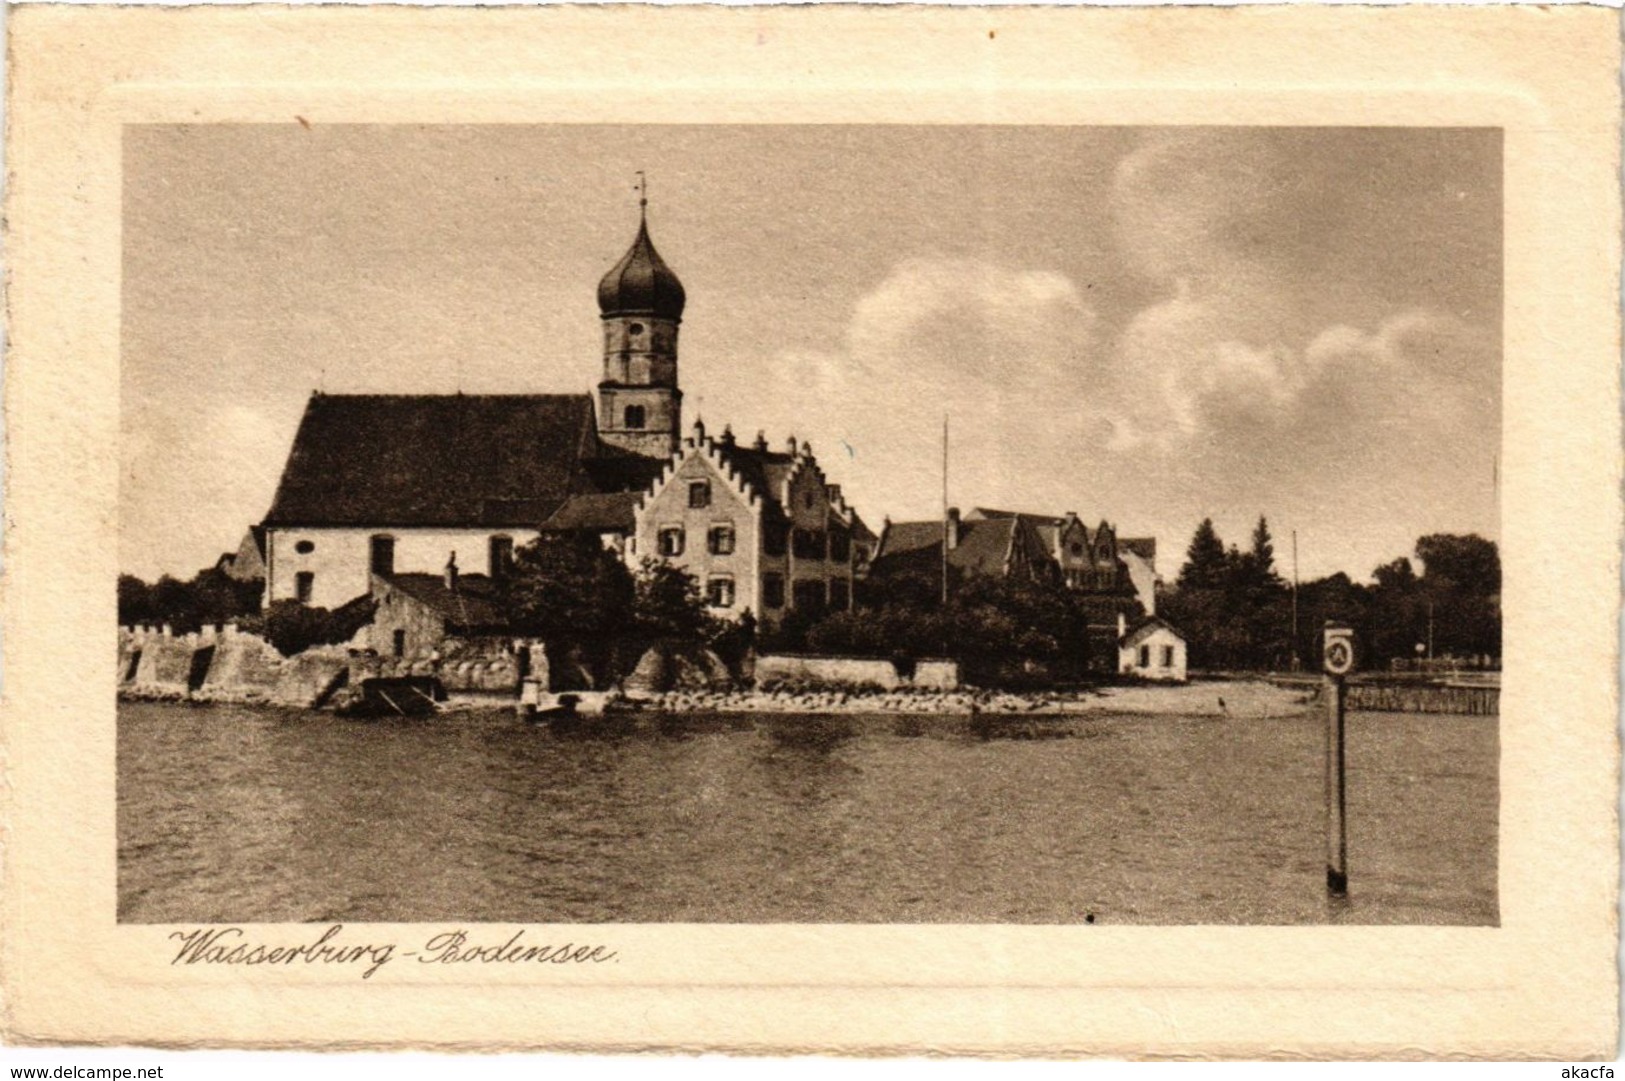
1338,661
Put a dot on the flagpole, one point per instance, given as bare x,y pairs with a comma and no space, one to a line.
945,509
1296,662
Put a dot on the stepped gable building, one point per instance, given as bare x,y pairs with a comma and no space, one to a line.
386,487
1012,544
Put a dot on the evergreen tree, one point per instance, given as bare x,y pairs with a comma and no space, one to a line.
1205,560
1261,560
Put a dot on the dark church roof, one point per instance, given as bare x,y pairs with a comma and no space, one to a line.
441,460
641,283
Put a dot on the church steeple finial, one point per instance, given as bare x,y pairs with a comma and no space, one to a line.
643,197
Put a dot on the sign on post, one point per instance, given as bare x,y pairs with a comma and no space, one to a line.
1337,657
1339,651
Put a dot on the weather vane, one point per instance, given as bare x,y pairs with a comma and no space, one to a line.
643,192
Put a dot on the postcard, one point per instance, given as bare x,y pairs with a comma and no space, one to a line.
987,531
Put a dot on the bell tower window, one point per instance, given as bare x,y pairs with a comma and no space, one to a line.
634,416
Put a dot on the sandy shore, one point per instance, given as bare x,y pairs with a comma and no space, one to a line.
1255,699
1241,698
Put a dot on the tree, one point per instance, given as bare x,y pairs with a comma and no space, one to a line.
668,603
568,589
1256,569
293,627
1205,560
210,596
1467,562
1461,581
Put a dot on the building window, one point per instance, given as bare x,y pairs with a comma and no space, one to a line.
1145,656
719,592
304,583
775,535
1167,656
501,558
634,416
671,542
305,547
773,591
808,544
382,556
1077,549
720,541
807,500
699,494
840,546
809,595
400,643
840,594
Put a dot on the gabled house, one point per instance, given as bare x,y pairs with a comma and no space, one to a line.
1039,547
1151,649
761,530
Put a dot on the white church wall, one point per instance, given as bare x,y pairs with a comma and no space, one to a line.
340,560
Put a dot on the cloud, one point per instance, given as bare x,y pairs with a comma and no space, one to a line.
1007,352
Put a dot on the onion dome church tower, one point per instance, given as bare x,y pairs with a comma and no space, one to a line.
641,300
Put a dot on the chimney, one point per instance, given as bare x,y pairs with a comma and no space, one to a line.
790,446
953,528
451,572
761,440
699,432
727,435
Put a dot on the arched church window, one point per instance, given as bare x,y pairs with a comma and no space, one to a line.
634,416
500,556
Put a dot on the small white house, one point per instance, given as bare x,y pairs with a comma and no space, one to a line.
1153,649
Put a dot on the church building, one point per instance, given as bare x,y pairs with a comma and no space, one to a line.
379,486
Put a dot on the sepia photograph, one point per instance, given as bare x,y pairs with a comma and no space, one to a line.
812,530
809,524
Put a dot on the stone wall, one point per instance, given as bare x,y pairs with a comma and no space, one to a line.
936,675
802,669
224,664
464,665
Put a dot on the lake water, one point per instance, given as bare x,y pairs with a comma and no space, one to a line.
230,814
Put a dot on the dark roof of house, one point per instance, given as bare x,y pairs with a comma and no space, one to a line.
1036,519
765,471
474,603
442,460
641,283
598,511
1144,627
1144,547
983,548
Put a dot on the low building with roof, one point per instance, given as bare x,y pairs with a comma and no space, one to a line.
1152,648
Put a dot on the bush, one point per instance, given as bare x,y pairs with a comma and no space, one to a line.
293,627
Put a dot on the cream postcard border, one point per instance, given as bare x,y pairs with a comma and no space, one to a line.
1542,983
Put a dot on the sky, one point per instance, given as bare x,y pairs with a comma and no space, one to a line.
1149,326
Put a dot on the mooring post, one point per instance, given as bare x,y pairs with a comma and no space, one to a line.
1338,662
